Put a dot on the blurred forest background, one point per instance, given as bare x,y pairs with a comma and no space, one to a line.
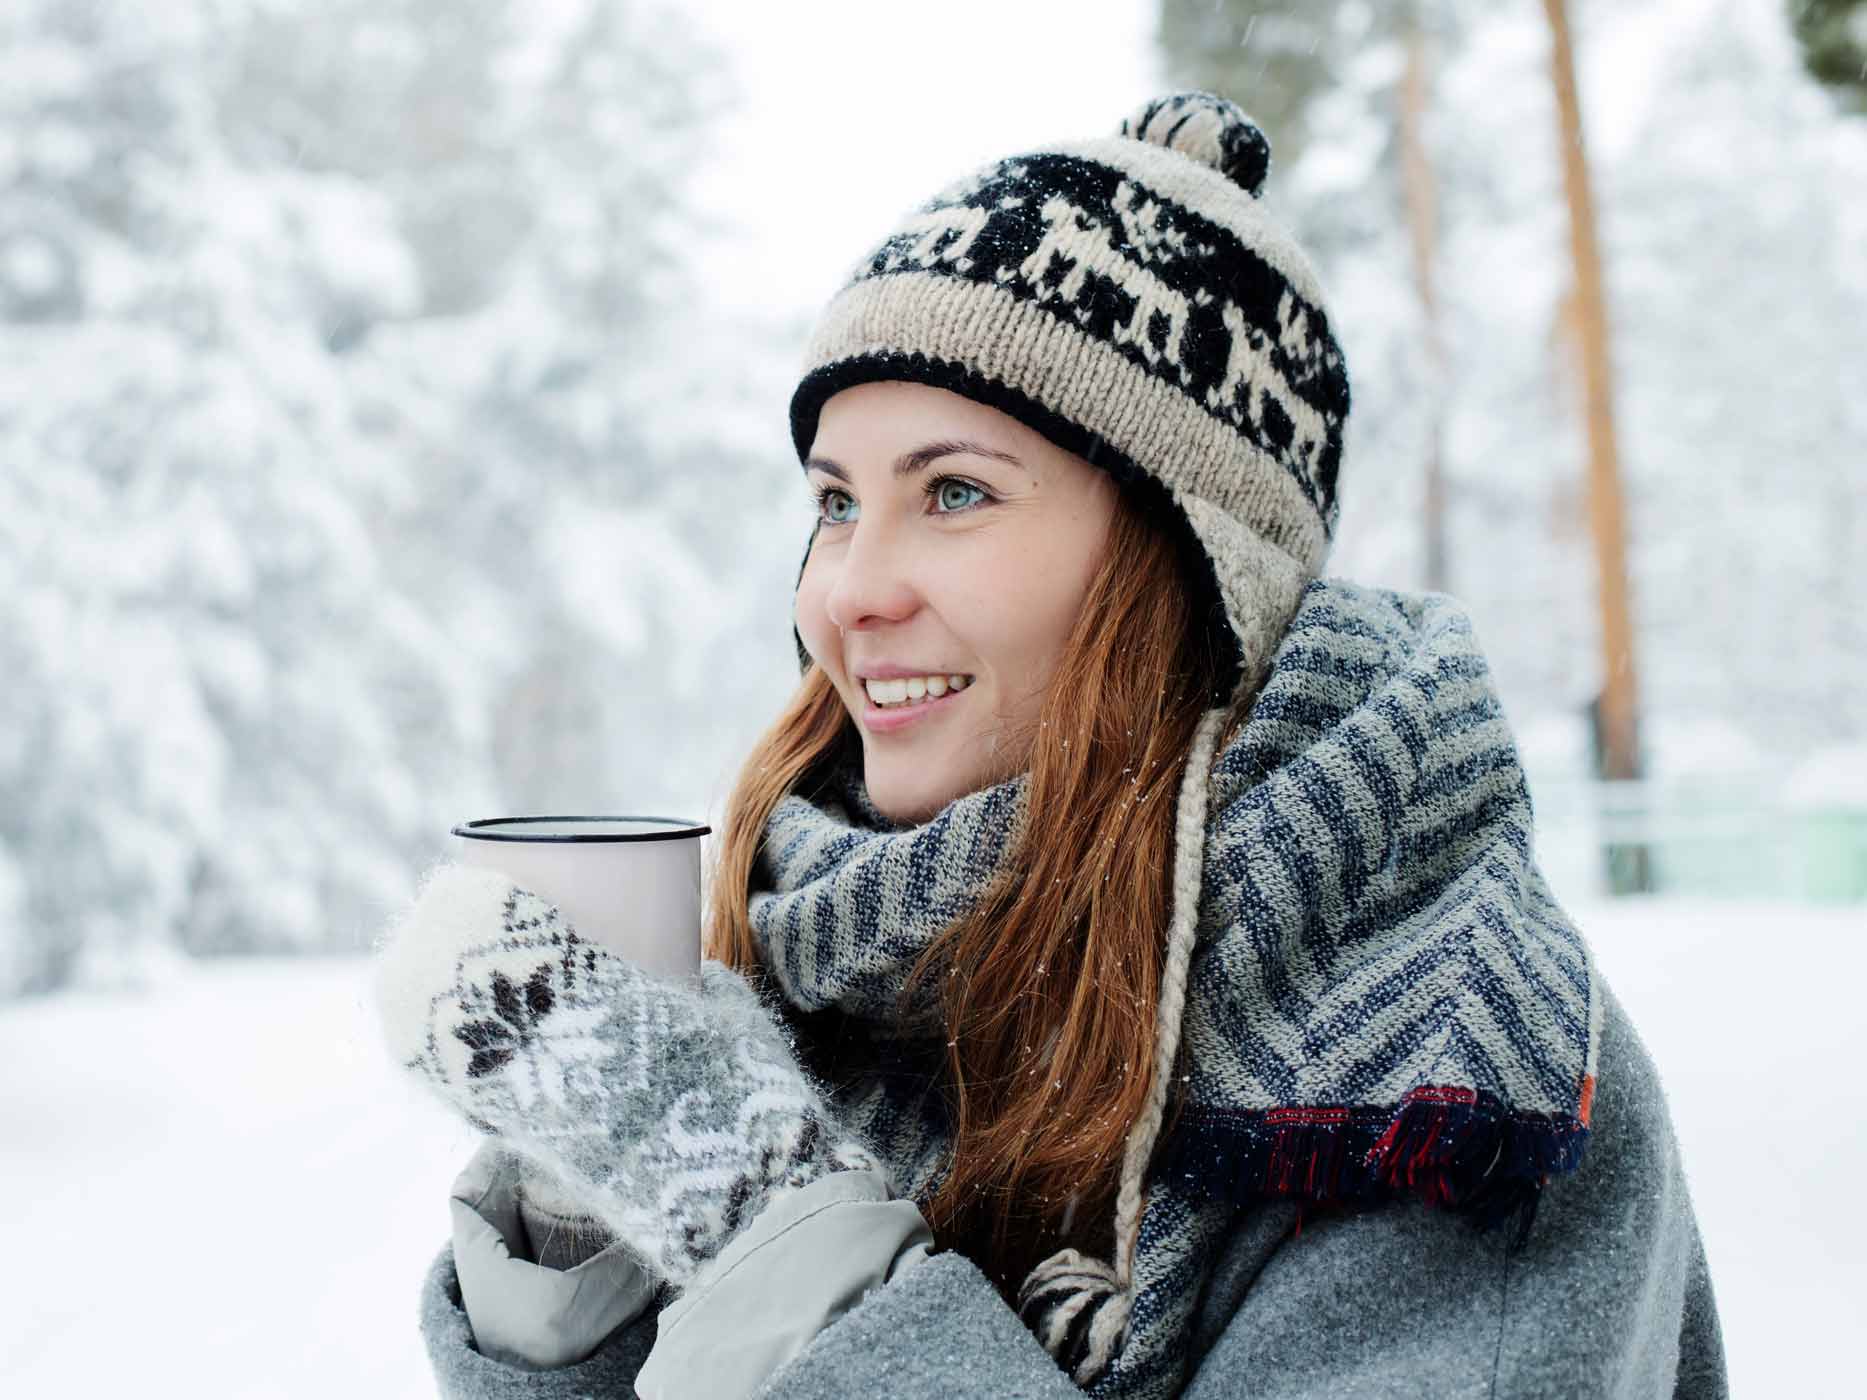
377,449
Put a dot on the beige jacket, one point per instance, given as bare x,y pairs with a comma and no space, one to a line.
805,1260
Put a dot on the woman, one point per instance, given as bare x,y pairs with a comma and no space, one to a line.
1129,972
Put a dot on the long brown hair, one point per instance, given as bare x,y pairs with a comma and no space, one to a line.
1056,971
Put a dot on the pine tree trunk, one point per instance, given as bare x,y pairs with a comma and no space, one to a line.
1416,180
1628,867
1620,753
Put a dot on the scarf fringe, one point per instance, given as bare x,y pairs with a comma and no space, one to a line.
1452,1148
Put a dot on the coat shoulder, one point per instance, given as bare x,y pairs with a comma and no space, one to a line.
1608,1294
1633,1149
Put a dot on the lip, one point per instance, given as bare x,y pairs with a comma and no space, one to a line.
879,721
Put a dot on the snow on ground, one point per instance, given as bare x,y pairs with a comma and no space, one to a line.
219,1191
222,1190
1752,1014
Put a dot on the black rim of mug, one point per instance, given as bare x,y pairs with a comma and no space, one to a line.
679,828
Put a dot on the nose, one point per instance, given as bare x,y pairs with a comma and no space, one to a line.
868,584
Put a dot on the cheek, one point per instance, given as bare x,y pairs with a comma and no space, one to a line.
1011,615
813,619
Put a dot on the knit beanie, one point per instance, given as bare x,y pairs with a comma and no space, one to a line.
1130,299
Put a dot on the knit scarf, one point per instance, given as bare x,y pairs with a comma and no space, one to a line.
1383,998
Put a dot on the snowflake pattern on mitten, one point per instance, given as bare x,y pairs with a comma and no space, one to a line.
676,1110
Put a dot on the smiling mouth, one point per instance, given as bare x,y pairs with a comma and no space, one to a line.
909,694
882,720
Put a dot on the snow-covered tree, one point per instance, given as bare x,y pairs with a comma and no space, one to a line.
350,395
1733,201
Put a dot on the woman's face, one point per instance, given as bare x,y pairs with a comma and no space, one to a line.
954,541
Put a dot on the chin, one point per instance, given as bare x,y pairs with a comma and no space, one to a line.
908,805
909,810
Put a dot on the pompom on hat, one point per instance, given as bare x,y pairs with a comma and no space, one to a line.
1131,299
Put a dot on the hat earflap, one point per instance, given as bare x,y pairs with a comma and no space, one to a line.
1079,1307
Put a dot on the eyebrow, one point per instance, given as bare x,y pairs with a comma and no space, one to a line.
921,457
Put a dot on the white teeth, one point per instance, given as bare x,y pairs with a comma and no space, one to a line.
914,690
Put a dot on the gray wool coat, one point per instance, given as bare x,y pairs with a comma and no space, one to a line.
1610,1296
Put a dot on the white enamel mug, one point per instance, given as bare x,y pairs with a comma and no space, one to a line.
629,883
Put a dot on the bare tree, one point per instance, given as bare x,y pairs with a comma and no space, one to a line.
1617,708
1418,191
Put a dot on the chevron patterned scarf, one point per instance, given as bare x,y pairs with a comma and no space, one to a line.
1384,998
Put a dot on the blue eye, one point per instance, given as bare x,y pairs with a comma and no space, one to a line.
823,497
937,489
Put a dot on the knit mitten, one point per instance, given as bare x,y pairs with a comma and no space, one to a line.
675,1111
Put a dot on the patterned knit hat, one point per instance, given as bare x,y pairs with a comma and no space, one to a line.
1130,299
